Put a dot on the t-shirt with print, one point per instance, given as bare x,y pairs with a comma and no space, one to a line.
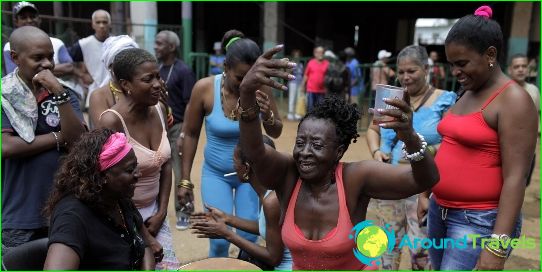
27,181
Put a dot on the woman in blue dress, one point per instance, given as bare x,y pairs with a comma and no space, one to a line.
215,101
429,105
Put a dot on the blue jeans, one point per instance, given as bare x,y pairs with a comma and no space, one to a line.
456,224
227,193
313,99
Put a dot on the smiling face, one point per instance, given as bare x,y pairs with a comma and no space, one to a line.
33,57
470,67
122,177
411,75
145,86
235,74
27,17
316,150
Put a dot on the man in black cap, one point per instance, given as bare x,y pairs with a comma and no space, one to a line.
26,14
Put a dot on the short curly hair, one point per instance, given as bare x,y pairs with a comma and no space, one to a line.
345,116
79,172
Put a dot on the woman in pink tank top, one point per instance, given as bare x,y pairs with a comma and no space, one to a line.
142,119
322,198
486,152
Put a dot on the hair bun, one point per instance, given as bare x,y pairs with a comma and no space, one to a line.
484,11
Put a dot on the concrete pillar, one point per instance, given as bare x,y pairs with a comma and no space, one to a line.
519,33
144,19
187,31
273,30
57,12
117,18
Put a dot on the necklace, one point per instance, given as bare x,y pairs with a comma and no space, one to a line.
170,70
233,114
414,102
114,90
122,217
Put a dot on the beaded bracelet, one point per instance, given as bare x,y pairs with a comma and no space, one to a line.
61,98
416,156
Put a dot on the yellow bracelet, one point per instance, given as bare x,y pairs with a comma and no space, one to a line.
495,252
184,183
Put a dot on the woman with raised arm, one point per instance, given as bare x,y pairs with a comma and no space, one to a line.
323,198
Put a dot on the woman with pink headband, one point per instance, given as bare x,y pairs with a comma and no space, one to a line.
94,224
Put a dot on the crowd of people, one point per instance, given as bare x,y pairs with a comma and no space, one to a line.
99,190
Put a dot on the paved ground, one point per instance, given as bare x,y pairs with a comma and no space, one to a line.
189,248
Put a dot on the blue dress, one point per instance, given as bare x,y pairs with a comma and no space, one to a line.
425,122
224,193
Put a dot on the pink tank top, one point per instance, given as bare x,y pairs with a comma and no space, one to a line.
335,250
150,164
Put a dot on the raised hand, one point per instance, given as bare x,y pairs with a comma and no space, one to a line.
266,67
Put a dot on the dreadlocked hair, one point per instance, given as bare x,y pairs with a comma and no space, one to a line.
79,173
345,116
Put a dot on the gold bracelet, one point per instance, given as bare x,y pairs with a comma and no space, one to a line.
249,114
271,120
187,184
495,252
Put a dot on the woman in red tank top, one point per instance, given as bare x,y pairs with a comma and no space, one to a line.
322,198
487,142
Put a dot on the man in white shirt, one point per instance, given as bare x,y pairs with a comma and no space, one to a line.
87,52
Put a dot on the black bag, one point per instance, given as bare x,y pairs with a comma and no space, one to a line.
336,79
244,256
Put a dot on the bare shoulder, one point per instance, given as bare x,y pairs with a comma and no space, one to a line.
516,95
110,120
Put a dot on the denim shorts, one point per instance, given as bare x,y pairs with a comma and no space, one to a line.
458,224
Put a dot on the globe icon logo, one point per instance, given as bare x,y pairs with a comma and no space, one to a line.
372,241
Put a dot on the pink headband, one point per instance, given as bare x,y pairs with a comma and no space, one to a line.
484,11
115,149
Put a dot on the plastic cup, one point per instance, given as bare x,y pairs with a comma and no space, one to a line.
385,91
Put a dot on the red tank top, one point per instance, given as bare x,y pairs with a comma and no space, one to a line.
334,251
469,161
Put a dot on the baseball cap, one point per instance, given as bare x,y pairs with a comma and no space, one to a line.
383,54
217,45
22,5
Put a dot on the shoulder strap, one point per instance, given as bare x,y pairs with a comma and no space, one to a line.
495,94
159,109
425,98
121,120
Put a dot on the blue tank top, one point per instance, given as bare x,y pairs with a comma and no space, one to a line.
222,135
286,263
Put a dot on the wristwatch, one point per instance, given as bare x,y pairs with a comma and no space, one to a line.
503,240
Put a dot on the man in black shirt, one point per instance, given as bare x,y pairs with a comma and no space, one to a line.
179,80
